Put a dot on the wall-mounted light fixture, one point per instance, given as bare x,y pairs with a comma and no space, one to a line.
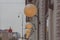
30,10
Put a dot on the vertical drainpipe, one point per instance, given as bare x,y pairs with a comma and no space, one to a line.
46,10
44,7
51,16
38,24
38,21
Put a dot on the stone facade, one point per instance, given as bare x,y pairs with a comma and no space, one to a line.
45,12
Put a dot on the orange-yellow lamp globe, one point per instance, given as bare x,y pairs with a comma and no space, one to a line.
30,10
28,33
27,36
29,26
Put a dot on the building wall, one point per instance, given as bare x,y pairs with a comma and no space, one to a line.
34,21
4,35
39,33
56,22
43,12
9,36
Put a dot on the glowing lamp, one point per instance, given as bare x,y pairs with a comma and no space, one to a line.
28,25
28,33
30,10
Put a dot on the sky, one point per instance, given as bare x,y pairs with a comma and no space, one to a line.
9,12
